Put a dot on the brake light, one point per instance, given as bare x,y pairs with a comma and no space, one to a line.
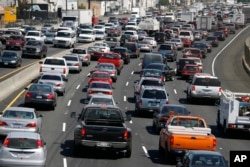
77,64
6,142
140,102
214,142
113,72
87,57
41,68
109,93
58,84
90,92
50,96
3,123
167,102
164,119
171,140
28,95
32,125
193,88
39,143
83,132
220,89
125,134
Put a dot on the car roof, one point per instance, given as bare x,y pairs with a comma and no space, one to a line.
51,73
29,135
21,109
204,152
153,87
204,75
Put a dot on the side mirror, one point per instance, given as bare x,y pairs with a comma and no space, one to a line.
1,113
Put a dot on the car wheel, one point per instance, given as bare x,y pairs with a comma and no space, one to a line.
128,153
160,149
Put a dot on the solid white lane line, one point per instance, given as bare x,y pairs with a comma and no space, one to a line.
69,103
213,72
139,64
131,122
132,72
175,92
64,127
127,83
78,86
64,162
145,151
124,98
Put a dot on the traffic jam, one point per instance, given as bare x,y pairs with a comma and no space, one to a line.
126,87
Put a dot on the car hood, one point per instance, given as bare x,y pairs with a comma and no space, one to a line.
165,51
62,38
31,46
85,35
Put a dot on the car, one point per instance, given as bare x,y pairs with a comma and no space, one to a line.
20,119
167,110
193,158
23,149
101,99
9,32
109,67
213,40
83,26
123,20
151,58
37,35
145,46
189,70
73,62
114,32
126,38
192,52
202,46
220,35
86,35
83,54
99,28
148,81
49,37
186,42
204,86
56,80
100,76
225,30
15,42
198,35
151,41
35,48
104,46
25,28
179,43
160,37
133,49
168,72
99,87
124,54
142,35
152,73
131,25
48,28
100,35
150,98
10,58
209,47
108,26
94,52
169,51
133,33
40,94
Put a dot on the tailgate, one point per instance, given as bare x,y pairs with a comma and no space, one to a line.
53,69
195,142
105,133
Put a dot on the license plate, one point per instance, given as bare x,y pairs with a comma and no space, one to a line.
240,126
22,156
5,63
38,97
103,144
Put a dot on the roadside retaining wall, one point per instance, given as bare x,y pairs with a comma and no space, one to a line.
246,56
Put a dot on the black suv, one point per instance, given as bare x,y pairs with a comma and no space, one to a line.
126,38
133,49
160,37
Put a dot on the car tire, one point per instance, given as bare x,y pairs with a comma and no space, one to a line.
160,149
128,153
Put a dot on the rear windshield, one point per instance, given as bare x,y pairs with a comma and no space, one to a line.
152,83
207,82
102,114
79,51
165,47
154,94
70,58
184,33
51,77
22,143
182,62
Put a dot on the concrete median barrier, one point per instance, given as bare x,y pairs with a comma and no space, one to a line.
246,56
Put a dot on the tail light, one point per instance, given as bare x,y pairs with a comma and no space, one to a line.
164,119
83,131
58,84
50,96
214,142
112,72
193,88
41,68
167,102
140,102
6,142
77,64
90,92
220,89
28,95
109,93
3,123
39,143
64,70
171,140
32,125
125,134
87,57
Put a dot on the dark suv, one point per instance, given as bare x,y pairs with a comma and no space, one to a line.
168,51
160,37
133,49
126,38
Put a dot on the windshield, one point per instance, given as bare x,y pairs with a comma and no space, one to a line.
86,32
33,34
50,35
69,19
79,51
51,77
15,38
100,85
9,54
34,43
99,32
10,32
63,34
154,94
185,33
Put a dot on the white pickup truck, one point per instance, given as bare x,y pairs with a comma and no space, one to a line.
55,65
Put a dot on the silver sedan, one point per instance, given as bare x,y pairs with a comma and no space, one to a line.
74,63
20,119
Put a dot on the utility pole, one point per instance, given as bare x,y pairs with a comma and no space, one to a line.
89,3
66,7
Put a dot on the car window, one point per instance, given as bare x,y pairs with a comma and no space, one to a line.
207,82
165,47
18,114
22,143
208,160
96,100
154,94
79,51
70,58
100,85
100,113
151,83
51,77
176,110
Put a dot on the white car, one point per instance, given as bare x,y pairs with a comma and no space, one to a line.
178,42
100,35
65,38
151,41
99,28
108,26
133,33
86,35
37,35
131,26
104,47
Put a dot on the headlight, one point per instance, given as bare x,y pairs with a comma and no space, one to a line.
38,50
13,61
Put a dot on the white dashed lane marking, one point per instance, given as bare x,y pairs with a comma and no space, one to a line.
145,151
69,103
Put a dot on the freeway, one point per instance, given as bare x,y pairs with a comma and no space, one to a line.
58,126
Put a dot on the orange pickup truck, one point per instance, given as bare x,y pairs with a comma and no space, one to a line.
184,133
113,58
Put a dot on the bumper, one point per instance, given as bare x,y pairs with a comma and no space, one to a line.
32,53
21,163
84,40
62,44
203,95
34,101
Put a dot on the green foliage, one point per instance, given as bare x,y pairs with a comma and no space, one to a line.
164,2
81,6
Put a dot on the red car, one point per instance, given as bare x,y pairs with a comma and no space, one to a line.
95,52
186,42
192,52
100,76
225,30
189,70
15,42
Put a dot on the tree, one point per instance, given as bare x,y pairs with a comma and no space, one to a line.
22,6
164,2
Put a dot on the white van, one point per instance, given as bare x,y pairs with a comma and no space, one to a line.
186,34
65,38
